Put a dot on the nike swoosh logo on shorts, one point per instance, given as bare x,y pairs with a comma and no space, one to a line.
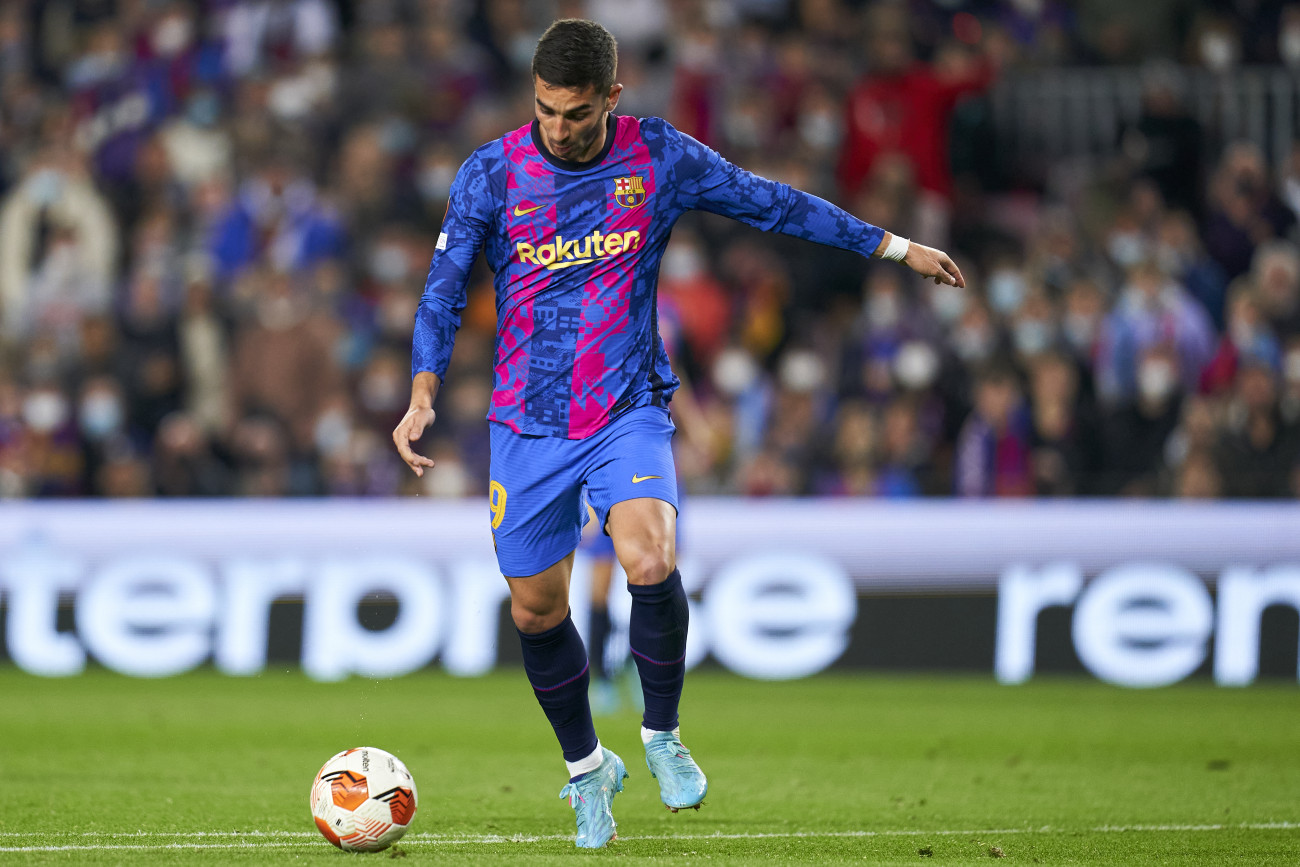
636,479
520,212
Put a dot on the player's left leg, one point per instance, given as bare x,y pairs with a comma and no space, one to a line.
644,532
633,489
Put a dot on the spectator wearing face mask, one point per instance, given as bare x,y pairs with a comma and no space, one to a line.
1152,310
1034,328
48,447
102,422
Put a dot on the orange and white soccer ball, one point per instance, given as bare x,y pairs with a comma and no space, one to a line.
363,799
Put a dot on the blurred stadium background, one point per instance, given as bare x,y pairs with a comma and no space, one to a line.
215,218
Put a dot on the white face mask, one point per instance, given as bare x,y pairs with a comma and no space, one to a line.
451,480
883,310
948,302
819,130
100,414
1032,336
734,371
44,186
172,35
916,365
435,181
681,263
1126,248
1006,290
332,432
802,371
388,263
45,411
1156,380
1217,51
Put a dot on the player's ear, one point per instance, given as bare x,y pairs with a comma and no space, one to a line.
611,101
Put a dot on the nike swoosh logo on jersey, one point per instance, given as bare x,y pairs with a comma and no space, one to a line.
636,479
520,212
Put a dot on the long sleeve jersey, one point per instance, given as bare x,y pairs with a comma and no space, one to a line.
575,250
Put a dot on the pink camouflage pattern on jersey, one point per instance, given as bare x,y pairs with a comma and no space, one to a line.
605,306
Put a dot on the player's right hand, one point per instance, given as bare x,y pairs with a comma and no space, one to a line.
408,430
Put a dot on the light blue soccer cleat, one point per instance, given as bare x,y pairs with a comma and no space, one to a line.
591,798
682,784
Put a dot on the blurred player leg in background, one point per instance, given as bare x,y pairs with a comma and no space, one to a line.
605,666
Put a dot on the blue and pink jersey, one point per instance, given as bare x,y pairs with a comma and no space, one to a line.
575,250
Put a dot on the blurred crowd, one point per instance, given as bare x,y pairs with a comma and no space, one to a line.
216,217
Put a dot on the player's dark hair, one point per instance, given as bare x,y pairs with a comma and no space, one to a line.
576,53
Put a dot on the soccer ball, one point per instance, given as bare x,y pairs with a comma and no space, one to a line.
363,800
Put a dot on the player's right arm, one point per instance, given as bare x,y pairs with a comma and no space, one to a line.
418,418
464,228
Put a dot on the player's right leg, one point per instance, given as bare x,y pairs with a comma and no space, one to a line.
556,663
536,523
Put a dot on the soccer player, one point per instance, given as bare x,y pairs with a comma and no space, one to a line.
574,210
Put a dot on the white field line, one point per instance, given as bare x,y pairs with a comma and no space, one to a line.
211,840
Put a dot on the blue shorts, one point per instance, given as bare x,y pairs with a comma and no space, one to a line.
536,496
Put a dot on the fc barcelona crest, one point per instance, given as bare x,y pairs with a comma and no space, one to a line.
629,192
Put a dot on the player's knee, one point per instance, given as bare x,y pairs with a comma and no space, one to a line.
650,565
533,617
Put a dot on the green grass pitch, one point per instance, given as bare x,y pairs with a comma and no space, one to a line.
206,769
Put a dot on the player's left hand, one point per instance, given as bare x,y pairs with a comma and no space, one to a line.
935,264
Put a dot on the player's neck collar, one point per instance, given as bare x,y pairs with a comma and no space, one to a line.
570,165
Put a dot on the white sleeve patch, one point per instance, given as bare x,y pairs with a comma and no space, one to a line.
442,241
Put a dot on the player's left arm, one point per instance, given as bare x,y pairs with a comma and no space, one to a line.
707,181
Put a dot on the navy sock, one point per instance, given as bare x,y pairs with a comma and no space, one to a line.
598,638
556,663
657,633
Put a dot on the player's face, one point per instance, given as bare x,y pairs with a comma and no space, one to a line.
572,122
